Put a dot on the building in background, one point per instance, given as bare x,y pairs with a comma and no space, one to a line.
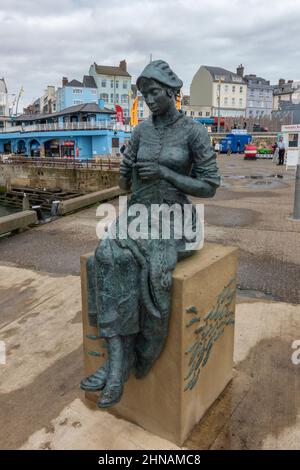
113,85
216,90
83,131
259,96
45,104
286,92
4,102
74,93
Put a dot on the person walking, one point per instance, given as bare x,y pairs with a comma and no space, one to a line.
281,148
217,147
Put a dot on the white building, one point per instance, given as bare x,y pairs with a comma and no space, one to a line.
4,102
214,87
114,85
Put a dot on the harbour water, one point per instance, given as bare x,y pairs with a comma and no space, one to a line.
6,210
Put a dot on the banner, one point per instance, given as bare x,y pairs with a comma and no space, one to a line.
119,116
134,120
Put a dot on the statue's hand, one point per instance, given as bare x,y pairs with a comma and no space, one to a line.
149,170
125,168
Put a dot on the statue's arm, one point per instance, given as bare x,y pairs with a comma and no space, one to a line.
205,179
126,166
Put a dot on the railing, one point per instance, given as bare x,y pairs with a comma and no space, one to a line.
67,126
99,163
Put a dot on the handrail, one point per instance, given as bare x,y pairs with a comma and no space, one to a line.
66,126
101,163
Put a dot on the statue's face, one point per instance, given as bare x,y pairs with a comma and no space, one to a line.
156,96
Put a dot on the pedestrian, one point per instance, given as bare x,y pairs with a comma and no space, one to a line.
275,152
229,148
281,148
123,148
217,147
238,146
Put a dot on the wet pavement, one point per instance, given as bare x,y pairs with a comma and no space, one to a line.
40,293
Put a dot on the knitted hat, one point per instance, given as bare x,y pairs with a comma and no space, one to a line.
159,70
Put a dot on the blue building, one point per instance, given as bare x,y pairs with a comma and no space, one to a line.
74,93
83,131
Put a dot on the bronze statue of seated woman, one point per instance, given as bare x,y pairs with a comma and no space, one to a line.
129,280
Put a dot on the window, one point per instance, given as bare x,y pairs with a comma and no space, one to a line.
200,113
241,102
77,91
207,113
141,114
117,98
125,85
241,89
111,84
233,101
103,83
94,92
251,104
112,98
226,88
104,97
124,99
293,140
117,83
77,102
226,101
233,88
192,113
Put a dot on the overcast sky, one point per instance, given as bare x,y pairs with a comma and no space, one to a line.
41,41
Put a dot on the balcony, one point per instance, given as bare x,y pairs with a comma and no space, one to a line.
67,126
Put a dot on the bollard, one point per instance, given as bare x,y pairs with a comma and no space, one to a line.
296,215
54,208
25,203
39,212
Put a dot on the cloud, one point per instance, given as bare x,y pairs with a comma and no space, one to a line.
43,41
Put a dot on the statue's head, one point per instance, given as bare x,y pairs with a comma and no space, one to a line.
159,85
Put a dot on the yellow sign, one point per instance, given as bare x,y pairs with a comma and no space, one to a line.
134,119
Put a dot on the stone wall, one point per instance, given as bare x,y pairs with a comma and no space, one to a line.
67,179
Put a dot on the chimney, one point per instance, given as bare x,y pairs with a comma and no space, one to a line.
281,81
123,65
240,70
64,81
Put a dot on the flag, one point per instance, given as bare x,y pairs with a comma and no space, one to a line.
178,101
134,120
120,115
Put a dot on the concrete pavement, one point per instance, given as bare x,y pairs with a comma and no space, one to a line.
41,405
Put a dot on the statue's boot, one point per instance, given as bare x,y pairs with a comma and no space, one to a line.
129,355
96,381
113,389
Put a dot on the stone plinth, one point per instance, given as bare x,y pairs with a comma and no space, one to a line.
196,364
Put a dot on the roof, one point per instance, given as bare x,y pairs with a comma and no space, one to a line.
79,108
74,83
255,80
218,72
110,70
89,82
